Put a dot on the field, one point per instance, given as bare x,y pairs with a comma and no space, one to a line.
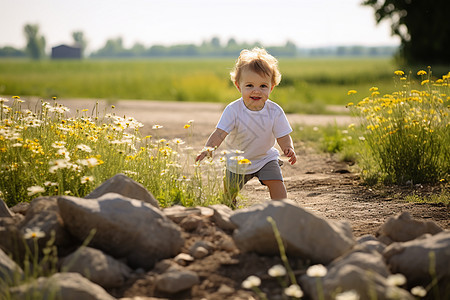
392,158
308,85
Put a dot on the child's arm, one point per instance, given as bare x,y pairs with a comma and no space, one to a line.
286,145
215,139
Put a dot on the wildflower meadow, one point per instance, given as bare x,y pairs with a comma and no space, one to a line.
405,134
45,152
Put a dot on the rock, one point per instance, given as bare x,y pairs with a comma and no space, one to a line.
204,244
176,281
304,234
11,238
21,208
227,244
206,211
350,277
365,238
43,213
221,216
191,222
166,265
199,252
201,249
125,228
124,185
371,246
4,210
183,259
10,272
67,286
369,243
414,259
370,262
177,212
403,228
96,266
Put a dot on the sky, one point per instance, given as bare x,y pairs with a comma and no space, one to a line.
307,23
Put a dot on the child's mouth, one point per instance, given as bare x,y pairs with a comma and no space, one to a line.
255,98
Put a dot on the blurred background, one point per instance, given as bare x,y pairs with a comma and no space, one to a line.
183,51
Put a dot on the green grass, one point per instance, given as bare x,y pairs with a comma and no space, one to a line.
441,198
307,85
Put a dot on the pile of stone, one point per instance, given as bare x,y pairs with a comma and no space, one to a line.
127,232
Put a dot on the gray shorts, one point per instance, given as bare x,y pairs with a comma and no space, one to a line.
270,171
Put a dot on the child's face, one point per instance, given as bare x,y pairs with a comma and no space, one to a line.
255,89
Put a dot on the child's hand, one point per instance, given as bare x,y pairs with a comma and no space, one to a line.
207,152
201,156
289,152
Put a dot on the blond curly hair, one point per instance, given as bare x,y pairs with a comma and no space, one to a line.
259,61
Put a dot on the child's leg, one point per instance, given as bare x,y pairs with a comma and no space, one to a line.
277,189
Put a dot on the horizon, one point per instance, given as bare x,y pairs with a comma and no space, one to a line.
156,22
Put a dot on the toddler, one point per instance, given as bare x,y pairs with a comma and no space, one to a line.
253,123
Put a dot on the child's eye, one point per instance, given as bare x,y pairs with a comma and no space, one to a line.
263,86
249,85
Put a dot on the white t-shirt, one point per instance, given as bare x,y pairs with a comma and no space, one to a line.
254,132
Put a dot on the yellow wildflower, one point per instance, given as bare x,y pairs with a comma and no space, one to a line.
351,92
421,72
244,161
373,89
187,126
399,73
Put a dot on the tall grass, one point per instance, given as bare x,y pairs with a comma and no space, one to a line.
406,133
48,153
307,85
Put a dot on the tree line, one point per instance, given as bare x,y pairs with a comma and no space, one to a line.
114,48
422,26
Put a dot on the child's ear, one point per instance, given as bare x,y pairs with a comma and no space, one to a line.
271,88
237,86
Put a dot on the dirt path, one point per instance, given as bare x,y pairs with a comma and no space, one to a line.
317,182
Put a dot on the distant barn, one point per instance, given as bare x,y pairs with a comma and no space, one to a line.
66,52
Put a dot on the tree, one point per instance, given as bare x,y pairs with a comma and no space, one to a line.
423,27
9,51
35,43
112,48
80,40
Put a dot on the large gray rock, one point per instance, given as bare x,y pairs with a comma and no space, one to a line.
61,286
44,214
368,285
4,210
96,266
10,272
125,228
416,258
124,185
403,228
304,234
